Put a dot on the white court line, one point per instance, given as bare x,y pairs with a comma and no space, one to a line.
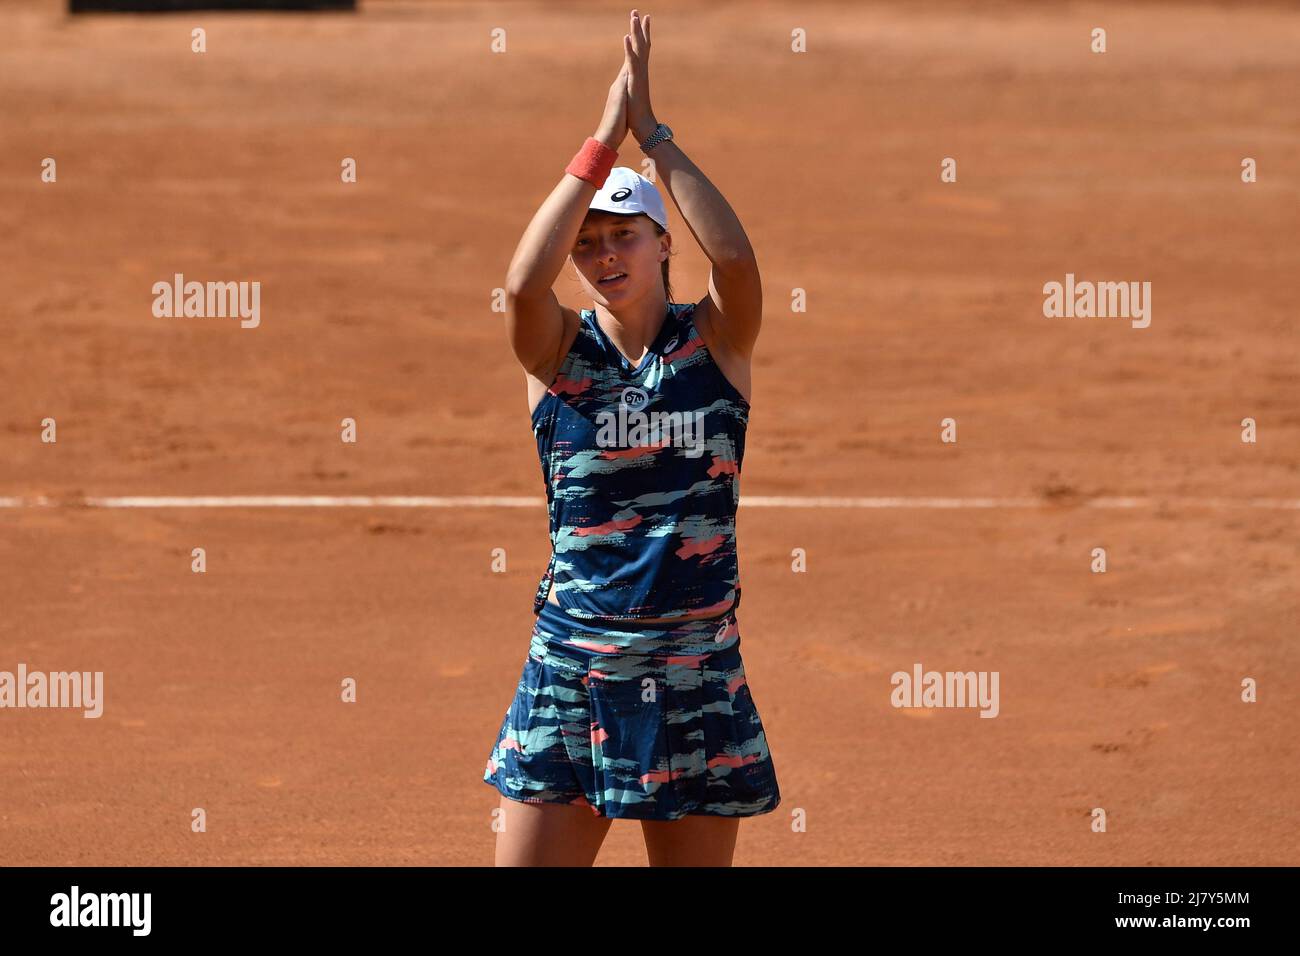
509,501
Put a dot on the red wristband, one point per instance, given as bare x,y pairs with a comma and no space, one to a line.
593,162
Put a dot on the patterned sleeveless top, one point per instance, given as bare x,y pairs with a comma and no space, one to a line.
642,469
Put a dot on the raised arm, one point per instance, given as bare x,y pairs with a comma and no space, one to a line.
735,288
534,319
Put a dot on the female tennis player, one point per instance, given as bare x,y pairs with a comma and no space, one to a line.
633,700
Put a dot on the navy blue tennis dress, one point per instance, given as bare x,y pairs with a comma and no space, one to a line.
642,466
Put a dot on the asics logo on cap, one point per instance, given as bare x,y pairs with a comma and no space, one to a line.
621,194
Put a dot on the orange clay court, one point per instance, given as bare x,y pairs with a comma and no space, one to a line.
1119,690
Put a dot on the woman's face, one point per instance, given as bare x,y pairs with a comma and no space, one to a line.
608,244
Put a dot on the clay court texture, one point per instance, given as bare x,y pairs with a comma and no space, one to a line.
924,301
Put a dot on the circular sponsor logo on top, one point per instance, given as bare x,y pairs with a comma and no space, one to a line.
634,399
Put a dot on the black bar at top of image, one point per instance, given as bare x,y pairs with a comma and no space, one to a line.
177,6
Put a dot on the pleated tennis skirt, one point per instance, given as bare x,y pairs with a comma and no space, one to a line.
648,722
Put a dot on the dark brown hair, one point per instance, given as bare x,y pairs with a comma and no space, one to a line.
668,286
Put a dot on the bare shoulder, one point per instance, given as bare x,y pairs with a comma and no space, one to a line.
734,366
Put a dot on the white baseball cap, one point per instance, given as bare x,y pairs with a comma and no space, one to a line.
627,191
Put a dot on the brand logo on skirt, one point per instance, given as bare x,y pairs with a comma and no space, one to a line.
722,632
